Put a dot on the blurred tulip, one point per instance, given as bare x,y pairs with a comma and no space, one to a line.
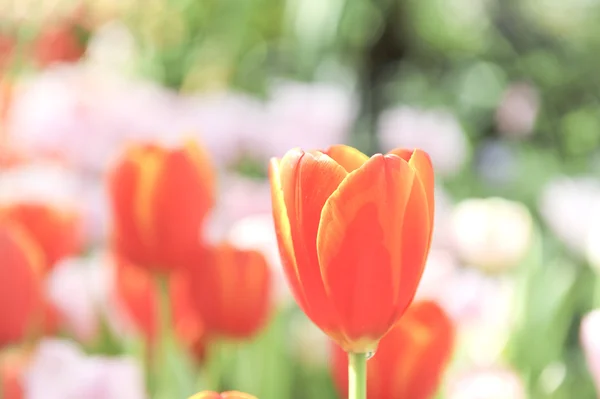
224,395
12,366
230,290
518,110
58,43
495,383
77,288
435,131
7,45
58,231
59,370
20,284
493,234
411,358
258,233
567,205
590,341
136,292
159,199
188,326
354,234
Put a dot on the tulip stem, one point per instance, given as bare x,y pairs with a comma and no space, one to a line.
357,375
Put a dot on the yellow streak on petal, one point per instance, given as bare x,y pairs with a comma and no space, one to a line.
32,251
281,218
201,159
150,163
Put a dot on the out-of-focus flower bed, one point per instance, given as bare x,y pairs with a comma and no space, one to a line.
135,139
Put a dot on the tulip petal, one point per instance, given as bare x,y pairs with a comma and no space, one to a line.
360,244
284,235
421,162
348,157
179,216
307,181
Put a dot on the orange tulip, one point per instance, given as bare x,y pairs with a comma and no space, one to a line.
230,290
159,199
353,233
20,284
59,232
410,360
224,395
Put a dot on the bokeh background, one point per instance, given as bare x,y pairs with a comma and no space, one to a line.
503,94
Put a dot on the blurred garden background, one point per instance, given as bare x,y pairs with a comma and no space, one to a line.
503,95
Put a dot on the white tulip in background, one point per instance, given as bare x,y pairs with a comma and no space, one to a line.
493,234
568,206
590,341
487,383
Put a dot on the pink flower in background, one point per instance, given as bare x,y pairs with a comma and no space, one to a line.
83,116
487,383
238,197
518,110
590,341
78,288
228,123
315,115
437,132
567,206
60,370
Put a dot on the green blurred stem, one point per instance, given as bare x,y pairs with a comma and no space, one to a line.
357,375
164,333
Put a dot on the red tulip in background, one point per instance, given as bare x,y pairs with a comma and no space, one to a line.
137,293
58,43
353,233
11,371
187,324
230,290
410,360
58,232
224,395
20,284
159,199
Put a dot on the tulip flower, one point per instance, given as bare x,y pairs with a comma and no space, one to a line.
58,43
58,231
411,358
138,299
159,199
224,395
20,284
187,324
354,234
230,290
11,373
136,292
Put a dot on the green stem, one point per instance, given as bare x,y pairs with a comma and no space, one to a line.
164,333
357,375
